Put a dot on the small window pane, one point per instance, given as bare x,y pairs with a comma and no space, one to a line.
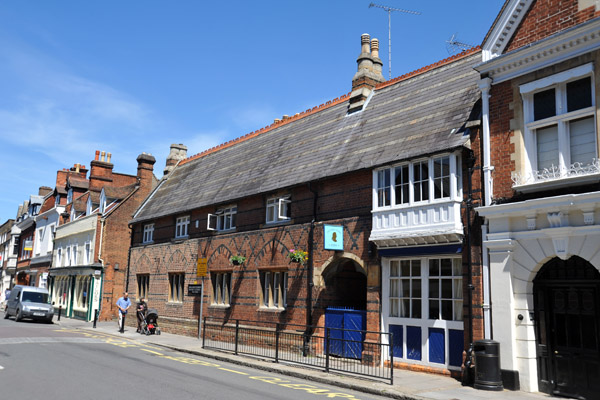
446,267
416,288
405,268
405,287
579,94
416,310
434,309
544,104
447,310
582,141
434,288
446,289
434,267
416,268
547,148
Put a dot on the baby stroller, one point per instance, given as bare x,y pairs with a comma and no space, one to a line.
149,322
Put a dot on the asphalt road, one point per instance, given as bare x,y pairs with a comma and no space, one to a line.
43,361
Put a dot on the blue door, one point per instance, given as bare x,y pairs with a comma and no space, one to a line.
346,333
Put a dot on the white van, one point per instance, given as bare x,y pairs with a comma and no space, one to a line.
29,302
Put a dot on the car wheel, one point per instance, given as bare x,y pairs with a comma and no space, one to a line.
6,314
19,316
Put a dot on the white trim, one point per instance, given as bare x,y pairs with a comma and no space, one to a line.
504,28
565,45
561,77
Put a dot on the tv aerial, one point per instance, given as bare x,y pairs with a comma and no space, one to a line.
455,46
389,11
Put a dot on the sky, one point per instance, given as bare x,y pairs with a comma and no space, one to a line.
134,76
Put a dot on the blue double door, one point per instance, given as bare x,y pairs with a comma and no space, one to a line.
346,331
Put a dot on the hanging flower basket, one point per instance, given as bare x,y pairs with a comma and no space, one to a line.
237,260
298,256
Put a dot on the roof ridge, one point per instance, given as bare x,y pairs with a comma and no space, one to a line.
268,128
326,105
429,67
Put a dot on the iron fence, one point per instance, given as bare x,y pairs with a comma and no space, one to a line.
330,349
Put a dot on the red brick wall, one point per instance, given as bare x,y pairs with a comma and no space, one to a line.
546,17
344,200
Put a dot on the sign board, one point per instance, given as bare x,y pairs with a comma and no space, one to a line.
194,290
28,245
201,267
333,236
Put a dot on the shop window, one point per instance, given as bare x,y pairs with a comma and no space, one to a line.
445,289
405,288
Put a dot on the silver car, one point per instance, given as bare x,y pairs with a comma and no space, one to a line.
29,302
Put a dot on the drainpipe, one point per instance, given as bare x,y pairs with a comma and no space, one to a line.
309,278
468,375
101,261
485,85
129,256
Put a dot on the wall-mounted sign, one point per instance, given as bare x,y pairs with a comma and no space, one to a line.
194,290
333,237
201,267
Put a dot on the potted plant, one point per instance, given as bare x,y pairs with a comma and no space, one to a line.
237,260
298,256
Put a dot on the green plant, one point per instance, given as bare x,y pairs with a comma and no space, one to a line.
299,256
237,260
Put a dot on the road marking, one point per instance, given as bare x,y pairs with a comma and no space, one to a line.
153,352
1,367
234,371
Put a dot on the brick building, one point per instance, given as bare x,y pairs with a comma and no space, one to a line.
383,167
6,274
539,83
91,245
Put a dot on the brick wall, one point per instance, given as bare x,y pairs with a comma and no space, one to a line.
343,200
546,17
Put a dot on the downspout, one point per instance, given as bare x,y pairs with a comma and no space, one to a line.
101,262
129,257
469,370
309,275
485,85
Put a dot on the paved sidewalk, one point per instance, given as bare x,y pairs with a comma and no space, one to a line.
407,384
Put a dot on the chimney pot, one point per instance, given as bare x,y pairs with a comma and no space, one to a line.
108,155
102,153
365,41
97,155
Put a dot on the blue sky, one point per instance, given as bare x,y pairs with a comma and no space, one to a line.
135,76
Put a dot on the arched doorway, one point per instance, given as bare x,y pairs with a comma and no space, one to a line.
567,325
346,284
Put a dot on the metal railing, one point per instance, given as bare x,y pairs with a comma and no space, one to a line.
358,352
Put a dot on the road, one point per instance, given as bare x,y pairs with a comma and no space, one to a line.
45,361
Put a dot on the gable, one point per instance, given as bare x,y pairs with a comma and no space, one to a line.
522,22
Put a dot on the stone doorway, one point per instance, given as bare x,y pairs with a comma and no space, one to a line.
567,324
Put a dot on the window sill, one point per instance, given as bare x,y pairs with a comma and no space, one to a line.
278,223
180,239
147,243
419,204
224,231
271,309
220,306
557,183
174,304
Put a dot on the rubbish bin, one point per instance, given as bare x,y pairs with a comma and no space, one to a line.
487,365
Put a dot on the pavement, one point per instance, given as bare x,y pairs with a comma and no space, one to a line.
408,385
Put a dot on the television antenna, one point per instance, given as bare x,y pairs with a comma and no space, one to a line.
389,11
454,46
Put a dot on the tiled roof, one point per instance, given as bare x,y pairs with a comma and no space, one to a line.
78,182
118,193
416,114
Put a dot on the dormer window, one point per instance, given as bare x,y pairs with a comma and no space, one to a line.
560,127
70,196
182,226
57,200
278,209
223,219
88,206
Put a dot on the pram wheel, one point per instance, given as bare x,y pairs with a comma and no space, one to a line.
158,331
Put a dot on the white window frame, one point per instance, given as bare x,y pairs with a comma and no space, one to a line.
88,206
38,241
222,220
424,322
70,195
68,256
274,289
280,207
182,226
102,205
393,190
87,251
148,233
561,119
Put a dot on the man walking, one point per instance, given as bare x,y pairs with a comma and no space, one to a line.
123,304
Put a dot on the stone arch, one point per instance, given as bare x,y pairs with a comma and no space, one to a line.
143,265
272,247
177,261
220,255
343,282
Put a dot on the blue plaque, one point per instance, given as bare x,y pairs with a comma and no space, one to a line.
334,237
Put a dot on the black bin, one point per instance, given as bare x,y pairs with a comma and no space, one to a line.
487,365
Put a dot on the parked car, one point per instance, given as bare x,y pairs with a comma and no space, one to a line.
29,302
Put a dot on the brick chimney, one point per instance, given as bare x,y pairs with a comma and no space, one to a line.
145,172
368,74
101,171
79,169
44,190
178,152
